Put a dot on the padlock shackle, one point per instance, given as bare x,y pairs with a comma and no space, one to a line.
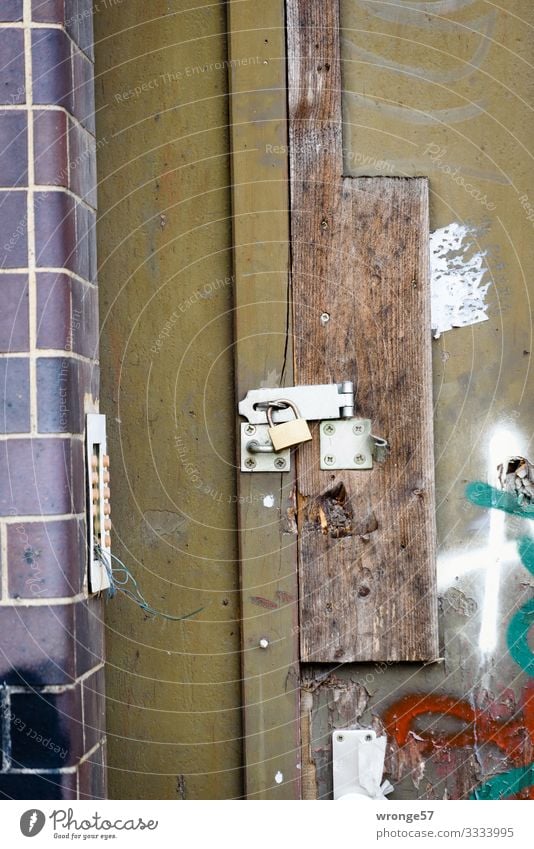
277,404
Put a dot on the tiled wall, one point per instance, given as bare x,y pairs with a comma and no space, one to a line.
51,631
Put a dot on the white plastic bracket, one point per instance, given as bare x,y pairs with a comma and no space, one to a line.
358,761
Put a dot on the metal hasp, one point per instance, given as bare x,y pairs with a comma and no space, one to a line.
349,444
257,451
358,763
314,402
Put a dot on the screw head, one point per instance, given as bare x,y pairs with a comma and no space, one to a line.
264,643
325,318
329,459
357,428
340,738
250,462
280,463
359,459
329,429
368,738
250,430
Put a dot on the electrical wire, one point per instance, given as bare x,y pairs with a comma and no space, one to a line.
120,584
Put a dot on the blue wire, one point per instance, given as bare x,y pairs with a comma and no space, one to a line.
121,585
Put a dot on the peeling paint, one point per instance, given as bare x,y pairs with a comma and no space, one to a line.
457,272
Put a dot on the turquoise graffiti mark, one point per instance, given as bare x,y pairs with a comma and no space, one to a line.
483,495
517,637
505,784
525,547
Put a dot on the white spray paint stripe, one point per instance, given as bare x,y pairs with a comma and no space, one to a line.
457,272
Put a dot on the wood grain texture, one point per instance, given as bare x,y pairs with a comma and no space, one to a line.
360,254
267,534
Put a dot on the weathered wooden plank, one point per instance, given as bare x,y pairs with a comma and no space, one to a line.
263,356
359,254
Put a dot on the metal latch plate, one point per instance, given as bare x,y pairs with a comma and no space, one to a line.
346,444
314,402
258,461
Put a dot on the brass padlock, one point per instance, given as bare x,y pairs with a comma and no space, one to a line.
286,434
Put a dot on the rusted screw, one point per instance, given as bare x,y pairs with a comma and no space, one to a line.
250,462
329,459
280,463
250,430
329,429
359,459
357,428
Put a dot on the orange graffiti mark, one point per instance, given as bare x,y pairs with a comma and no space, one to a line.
481,725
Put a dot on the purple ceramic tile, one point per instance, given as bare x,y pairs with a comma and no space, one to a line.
14,395
37,645
50,147
52,68
36,476
94,709
55,230
14,229
11,10
12,80
46,729
14,328
60,395
13,149
46,559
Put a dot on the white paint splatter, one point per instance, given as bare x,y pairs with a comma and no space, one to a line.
279,777
457,270
268,501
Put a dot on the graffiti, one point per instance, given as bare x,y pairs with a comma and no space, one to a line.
481,725
513,734
517,637
506,784
484,495
497,723
525,548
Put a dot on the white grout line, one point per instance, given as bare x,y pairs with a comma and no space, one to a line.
8,437
51,270
56,689
49,352
42,189
47,107
58,517
92,751
3,548
15,603
46,25
64,770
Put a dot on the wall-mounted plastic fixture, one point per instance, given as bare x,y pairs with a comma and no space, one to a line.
358,761
98,501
